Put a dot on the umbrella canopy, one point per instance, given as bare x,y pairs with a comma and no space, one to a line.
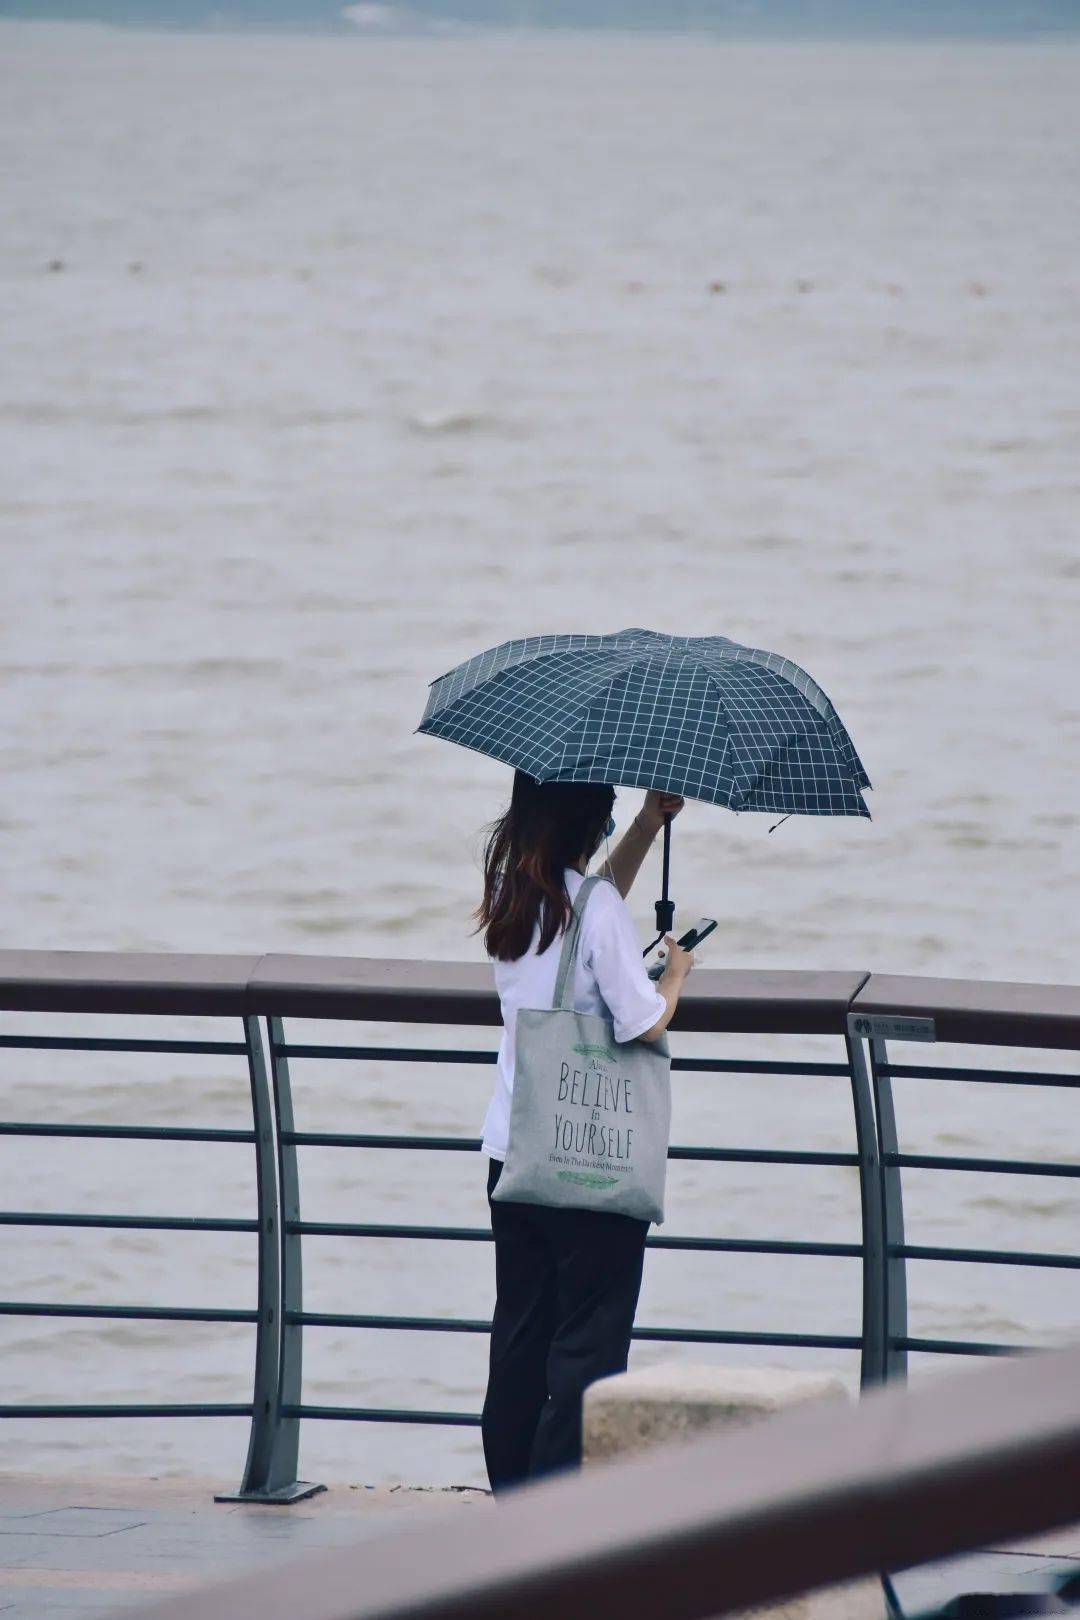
697,715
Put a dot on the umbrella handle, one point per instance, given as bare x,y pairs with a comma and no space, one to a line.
665,908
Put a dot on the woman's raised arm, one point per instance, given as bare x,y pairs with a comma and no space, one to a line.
633,846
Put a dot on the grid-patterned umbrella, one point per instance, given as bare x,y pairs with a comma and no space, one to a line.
697,715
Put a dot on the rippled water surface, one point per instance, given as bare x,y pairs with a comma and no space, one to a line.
327,362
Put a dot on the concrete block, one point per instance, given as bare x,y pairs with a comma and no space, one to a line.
675,1401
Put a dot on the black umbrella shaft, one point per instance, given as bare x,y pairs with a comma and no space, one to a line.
665,908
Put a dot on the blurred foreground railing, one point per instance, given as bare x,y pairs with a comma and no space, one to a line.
808,1499
862,1012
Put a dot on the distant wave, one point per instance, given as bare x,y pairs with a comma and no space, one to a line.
449,423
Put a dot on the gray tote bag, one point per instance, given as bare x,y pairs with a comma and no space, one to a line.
589,1115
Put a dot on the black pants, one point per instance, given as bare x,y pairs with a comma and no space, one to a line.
567,1283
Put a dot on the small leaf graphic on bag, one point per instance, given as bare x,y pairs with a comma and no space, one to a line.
587,1178
586,1050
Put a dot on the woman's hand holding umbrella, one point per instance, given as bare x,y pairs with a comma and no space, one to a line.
658,805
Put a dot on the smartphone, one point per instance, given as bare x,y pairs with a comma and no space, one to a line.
694,936
689,941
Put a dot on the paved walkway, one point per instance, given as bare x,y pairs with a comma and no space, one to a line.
91,1549
95,1548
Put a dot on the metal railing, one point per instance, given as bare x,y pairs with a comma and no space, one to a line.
862,1012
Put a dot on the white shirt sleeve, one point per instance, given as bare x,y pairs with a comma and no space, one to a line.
611,950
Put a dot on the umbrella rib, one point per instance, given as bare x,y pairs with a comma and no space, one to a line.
536,658
554,651
785,746
633,657
698,726
627,659
641,693
629,655
762,773
809,690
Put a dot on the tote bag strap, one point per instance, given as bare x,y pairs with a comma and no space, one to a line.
563,1000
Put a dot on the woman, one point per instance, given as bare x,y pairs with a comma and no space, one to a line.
567,1280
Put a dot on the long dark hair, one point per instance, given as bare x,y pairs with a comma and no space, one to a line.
548,827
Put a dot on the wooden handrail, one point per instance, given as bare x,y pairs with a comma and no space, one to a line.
716,1000
985,1012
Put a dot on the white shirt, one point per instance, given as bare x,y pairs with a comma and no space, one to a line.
609,978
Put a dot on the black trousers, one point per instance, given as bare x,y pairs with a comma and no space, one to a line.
567,1284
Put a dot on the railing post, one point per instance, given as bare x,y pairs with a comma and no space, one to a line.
270,1470
873,1241
892,1214
292,1330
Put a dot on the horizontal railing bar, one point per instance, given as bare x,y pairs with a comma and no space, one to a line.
435,1324
91,1043
795,1341
396,1324
451,1234
961,1347
668,1335
482,1234
1001,1167
430,1054
147,1223
990,1257
140,1133
406,1324
758,1066
465,1144
763,1156
194,1409
924,1071
843,1251
393,1054
379,1414
126,1313
440,1144
449,1144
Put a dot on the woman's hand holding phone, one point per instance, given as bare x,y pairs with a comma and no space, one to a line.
672,977
678,962
685,945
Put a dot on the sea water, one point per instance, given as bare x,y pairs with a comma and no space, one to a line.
330,361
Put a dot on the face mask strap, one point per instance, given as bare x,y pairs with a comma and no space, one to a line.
608,824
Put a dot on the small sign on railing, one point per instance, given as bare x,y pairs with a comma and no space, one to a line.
871,1028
